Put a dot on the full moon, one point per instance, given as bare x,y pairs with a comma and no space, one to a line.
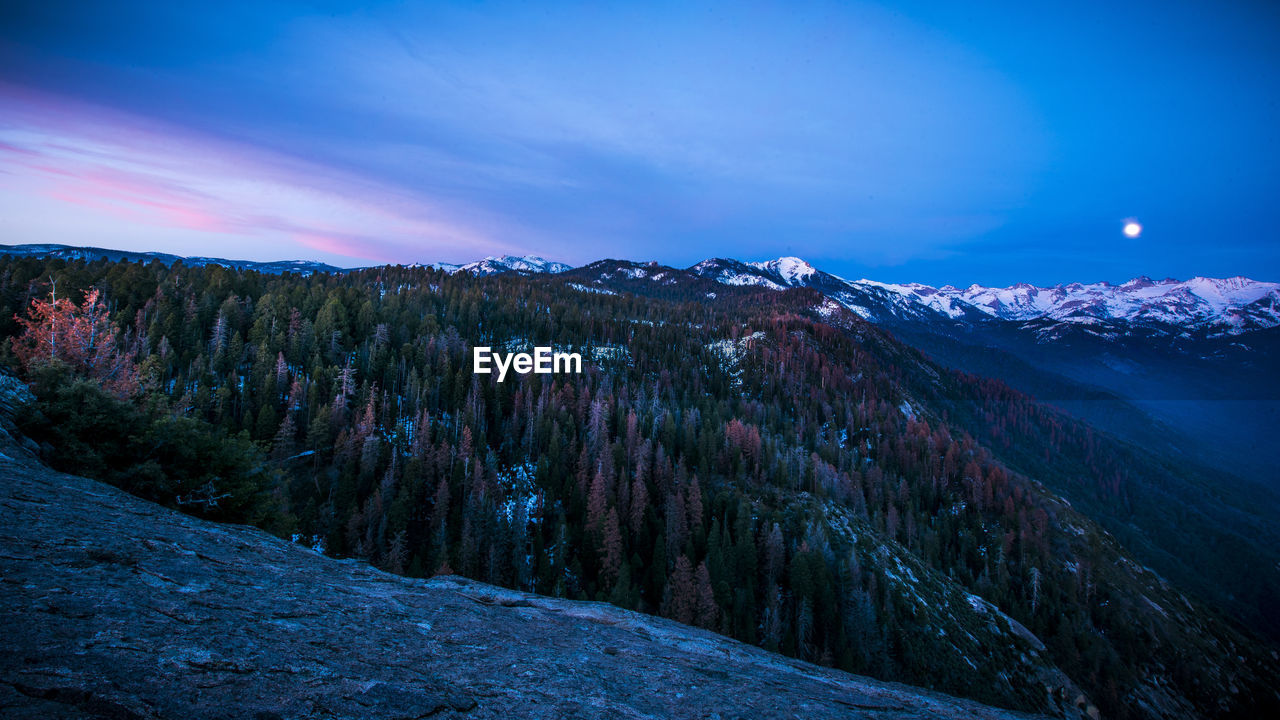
1132,229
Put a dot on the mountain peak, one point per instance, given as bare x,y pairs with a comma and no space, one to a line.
728,271
1138,282
524,264
791,269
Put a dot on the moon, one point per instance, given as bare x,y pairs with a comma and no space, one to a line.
1132,229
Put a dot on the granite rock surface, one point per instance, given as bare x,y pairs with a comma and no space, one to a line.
113,607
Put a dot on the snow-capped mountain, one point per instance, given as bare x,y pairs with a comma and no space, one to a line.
524,264
1222,306
873,301
1129,357
1230,305
735,272
791,269
774,274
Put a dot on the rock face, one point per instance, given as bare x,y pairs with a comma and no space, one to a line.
14,395
114,607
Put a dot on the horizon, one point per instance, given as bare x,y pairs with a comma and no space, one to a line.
897,140
756,261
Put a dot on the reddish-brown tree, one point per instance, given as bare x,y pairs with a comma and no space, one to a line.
611,547
682,596
82,336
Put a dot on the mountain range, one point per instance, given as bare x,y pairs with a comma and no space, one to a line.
761,450
487,266
1185,367
90,254
1226,306
1229,306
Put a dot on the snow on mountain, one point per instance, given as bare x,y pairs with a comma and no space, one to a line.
523,264
869,300
588,289
1261,313
1229,305
773,274
923,294
735,272
792,270
449,268
604,271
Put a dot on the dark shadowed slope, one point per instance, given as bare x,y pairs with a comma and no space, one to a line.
111,606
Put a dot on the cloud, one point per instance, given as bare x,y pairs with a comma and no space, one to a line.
449,133
114,172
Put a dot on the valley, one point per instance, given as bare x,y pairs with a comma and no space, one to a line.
765,464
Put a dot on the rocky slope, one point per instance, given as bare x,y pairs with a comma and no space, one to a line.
114,607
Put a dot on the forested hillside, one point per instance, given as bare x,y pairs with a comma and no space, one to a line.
762,464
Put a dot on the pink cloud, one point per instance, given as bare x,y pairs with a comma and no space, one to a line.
132,197
134,172
345,246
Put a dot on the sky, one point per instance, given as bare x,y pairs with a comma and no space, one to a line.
943,143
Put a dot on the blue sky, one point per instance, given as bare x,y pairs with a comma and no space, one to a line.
987,142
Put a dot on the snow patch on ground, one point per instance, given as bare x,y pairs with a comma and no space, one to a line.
908,411
733,350
827,308
588,289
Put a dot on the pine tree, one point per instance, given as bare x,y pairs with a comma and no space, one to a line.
611,548
681,602
707,612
